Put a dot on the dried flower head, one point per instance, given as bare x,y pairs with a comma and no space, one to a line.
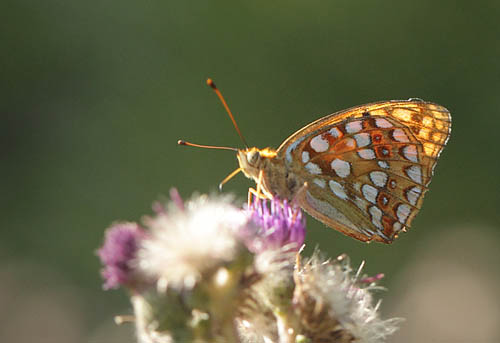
333,306
118,252
190,240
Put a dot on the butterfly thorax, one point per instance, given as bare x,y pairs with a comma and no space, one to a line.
277,180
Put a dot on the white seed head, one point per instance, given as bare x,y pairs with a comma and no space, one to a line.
327,290
186,243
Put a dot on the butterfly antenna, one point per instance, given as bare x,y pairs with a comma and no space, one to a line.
181,142
219,94
229,177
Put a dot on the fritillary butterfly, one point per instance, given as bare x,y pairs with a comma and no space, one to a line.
362,171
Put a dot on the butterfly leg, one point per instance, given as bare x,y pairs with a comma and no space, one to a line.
258,193
250,192
254,192
259,182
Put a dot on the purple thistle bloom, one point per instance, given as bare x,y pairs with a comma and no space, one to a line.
120,246
280,224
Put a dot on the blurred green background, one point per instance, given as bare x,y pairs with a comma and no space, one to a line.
95,94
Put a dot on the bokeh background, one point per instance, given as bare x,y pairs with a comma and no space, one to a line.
95,94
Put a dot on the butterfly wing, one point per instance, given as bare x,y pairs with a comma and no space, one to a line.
368,167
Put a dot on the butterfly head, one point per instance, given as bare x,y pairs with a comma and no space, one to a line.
253,160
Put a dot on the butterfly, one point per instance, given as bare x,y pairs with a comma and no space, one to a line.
363,171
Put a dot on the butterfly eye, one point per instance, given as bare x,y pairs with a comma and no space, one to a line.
253,157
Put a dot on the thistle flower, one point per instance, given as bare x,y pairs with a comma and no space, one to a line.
117,253
280,225
224,274
318,301
195,257
191,240
333,306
